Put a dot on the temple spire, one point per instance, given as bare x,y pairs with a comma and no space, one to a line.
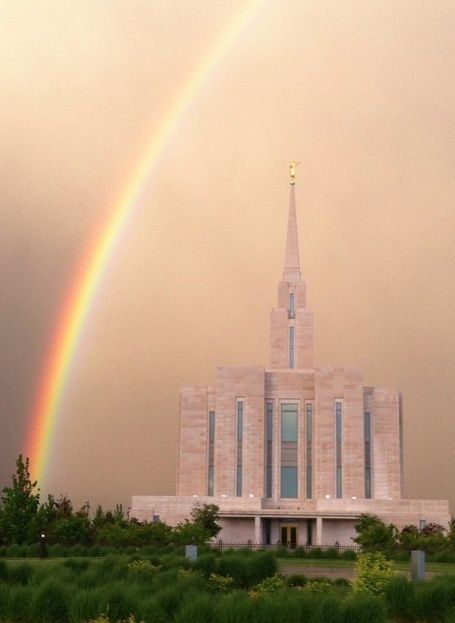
291,271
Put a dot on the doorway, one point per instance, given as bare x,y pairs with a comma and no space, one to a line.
289,535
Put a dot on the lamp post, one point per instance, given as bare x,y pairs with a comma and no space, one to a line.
42,546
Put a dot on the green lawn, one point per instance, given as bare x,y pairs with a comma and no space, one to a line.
283,563
433,567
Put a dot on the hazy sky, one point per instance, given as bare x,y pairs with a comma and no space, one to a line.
362,92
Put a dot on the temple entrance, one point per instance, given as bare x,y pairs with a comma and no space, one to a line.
289,535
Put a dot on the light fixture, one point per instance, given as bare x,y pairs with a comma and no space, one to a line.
223,495
327,496
194,495
354,497
251,495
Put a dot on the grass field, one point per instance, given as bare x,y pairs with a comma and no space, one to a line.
296,565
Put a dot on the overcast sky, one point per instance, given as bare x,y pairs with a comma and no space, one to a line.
363,93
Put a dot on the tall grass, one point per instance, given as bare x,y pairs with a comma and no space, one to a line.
237,607
150,611
169,599
18,605
363,608
20,574
433,600
121,600
86,605
198,608
280,607
400,594
50,603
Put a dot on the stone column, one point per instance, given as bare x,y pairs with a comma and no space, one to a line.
319,531
257,530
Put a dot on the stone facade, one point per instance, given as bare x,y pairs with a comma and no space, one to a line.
294,452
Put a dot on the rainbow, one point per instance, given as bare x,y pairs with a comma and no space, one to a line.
76,305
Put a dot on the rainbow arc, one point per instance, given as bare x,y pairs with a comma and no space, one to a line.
77,304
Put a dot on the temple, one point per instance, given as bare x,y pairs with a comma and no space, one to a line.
293,453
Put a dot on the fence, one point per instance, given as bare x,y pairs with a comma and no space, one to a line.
220,544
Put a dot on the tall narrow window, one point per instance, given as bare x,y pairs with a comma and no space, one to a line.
291,347
367,441
238,483
268,449
291,310
338,447
289,450
211,456
309,450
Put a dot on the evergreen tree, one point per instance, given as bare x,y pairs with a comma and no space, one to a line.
19,508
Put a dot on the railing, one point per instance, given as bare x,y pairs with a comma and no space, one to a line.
220,544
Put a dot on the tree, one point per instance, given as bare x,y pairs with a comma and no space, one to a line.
409,538
373,535
74,530
206,516
20,504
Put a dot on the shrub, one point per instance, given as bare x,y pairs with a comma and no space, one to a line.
50,603
57,551
261,566
374,572
348,554
317,585
342,582
444,556
283,552
299,552
236,568
363,608
332,553
221,583
14,551
95,551
269,585
200,608
205,563
297,580
78,550
142,570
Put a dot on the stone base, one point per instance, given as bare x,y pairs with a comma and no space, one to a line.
317,522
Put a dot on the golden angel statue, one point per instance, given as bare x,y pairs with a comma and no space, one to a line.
292,170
